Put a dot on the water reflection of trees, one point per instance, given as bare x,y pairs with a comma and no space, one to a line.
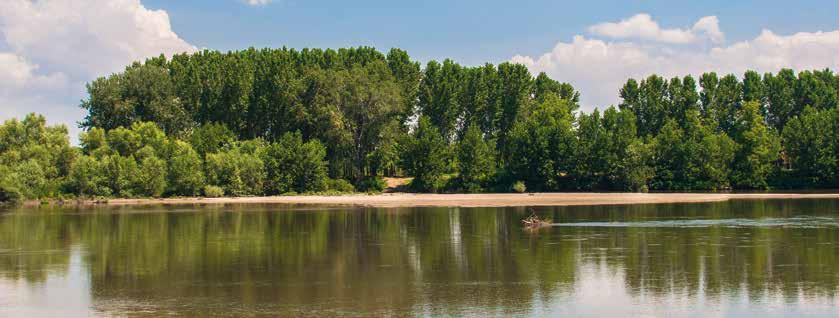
377,260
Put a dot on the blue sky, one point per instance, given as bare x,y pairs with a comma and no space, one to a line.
49,49
471,32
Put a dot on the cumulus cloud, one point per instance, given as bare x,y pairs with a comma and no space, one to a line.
19,73
642,26
599,68
53,47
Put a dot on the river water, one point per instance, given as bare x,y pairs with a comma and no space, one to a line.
761,258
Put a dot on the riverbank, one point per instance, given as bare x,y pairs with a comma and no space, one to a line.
388,200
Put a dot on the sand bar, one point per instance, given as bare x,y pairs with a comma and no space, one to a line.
475,200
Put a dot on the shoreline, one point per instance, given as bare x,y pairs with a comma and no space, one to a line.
401,200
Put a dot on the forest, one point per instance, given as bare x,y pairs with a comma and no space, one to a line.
286,121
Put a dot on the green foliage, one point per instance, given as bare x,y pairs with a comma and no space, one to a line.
541,146
294,165
426,157
211,138
185,175
151,178
9,192
93,140
691,158
36,157
518,187
141,93
811,142
87,178
120,175
238,173
339,185
759,149
9,195
371,184
476,161
213,191
636,168
275,121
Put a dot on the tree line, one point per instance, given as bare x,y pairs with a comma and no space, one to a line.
274,121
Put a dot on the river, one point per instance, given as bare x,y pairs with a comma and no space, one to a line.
741,258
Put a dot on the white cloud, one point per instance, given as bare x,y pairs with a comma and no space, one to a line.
710,25
642,26
258,2
599,68
54,47
17,73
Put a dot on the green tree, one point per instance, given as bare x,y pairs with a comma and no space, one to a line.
780,98
144,92
514,98
476,160
439,95
426,157
759,149
810,142
211,138
691,158
542,146
367,100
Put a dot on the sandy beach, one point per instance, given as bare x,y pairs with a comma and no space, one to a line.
474,200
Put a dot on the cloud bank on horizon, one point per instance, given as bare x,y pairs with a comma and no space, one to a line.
637,46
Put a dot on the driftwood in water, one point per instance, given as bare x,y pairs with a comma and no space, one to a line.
534,221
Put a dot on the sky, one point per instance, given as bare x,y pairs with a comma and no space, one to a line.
49,49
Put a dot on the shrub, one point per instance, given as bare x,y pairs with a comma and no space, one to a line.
294,165
371,184
87,178
9,195
150,180
185,175
211,191
238,173
519,187
339,185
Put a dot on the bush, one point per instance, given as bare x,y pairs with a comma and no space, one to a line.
339,185
294,165
240,174
150,180
87,178
371,184
9,195
185,175
519,187
211,191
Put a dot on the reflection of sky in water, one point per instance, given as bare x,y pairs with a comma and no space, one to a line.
599,291
62,294
602,292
